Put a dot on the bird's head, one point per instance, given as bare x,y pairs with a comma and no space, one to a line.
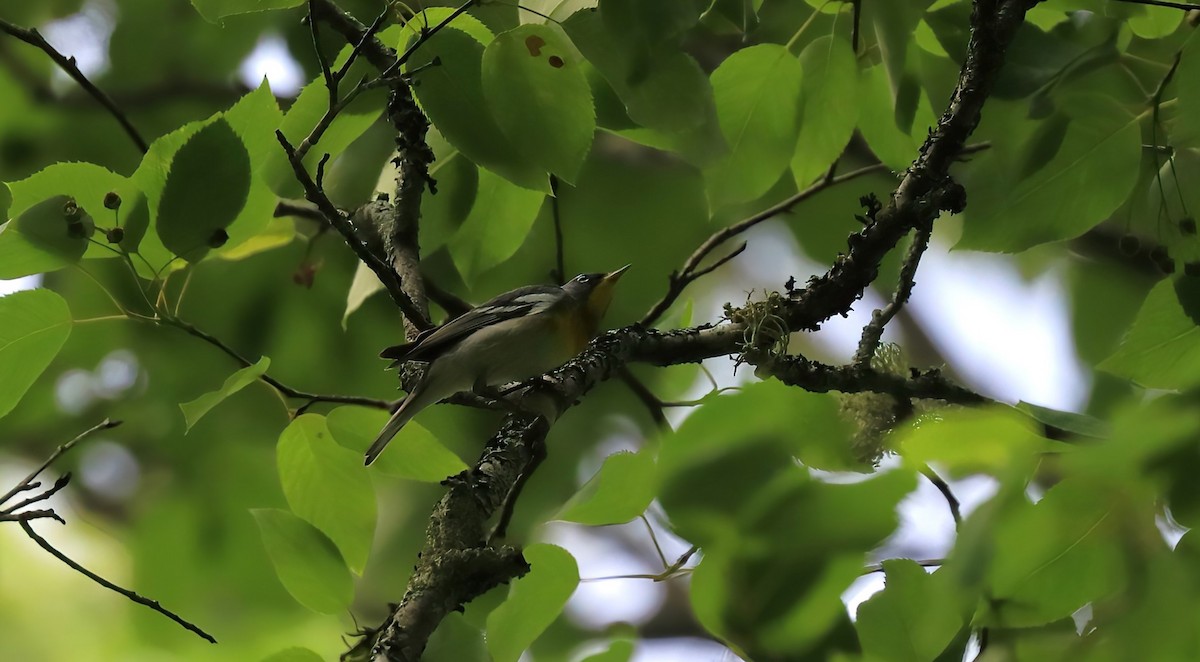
594,291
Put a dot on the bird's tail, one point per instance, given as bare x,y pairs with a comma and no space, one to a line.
416,400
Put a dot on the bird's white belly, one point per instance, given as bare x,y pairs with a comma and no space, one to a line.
505,352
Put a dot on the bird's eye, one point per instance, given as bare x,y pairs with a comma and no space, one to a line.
582,279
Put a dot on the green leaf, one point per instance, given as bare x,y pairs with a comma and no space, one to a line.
365,284
556,10
1090,176
1154,22
1081,424
1186,127
306,561
194,410
432,16
539,96
451,94
5,200
414,454
34,324
254,119
205,191
893,145
304,114
496,227
1053,557
215,10
757,92
1162,349
1003,442
293,654
534,601
830,81
913,618
45,229
620,650
19,257
619,492
328,486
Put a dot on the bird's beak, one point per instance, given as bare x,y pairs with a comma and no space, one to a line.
613,276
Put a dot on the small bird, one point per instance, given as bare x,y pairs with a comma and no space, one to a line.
515,336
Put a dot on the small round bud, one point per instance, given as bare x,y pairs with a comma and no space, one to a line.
112,200
114,235
1129,244
218,239
1187,226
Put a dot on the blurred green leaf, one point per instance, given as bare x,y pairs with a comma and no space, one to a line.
830,80
619,492
306,561
896,147
1089,177
496,227
1162,349
537,93
1055,556
294,654
328,486
5,200
534,601
913,619
34,324
1081,424
757,92
194,410
215,10
1003,442
620,650
414,453
451,94
199,201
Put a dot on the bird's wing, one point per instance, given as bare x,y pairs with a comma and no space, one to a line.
516,303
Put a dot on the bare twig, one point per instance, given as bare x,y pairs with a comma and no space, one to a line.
424,36
153,604
872,333
560,271
1163,3
678,281
34,38
924,563
335,217
283,389
654,405
27,483
942,486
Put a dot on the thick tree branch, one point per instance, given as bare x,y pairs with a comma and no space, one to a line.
67,64
455,564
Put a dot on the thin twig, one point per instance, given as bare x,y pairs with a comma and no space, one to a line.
34,38
924,563
424,36
680,280
856,8
153,604
1163,3
560,271
106,424
654,405
283,389
948,494
62,482
536,456
654,540
335,217
872,333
